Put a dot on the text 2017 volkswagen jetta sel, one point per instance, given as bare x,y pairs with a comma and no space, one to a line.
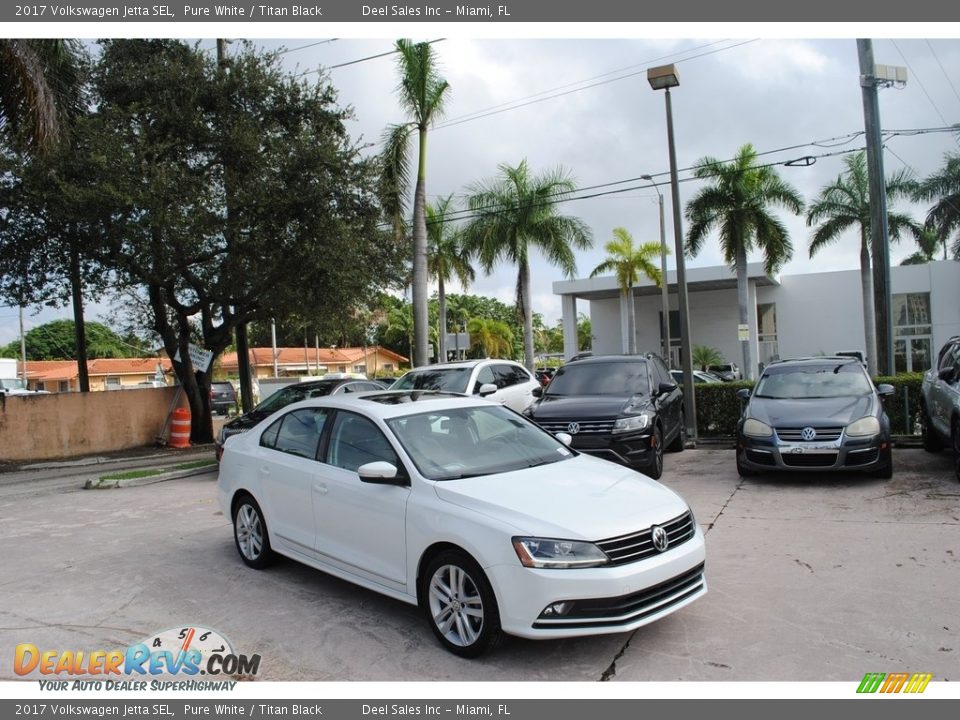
462,506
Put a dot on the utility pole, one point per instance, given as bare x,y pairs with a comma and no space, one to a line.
879,232
243,349
23,351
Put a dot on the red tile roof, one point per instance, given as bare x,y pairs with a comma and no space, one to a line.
56,370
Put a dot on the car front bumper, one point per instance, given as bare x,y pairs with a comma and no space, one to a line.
601,600
634,450
845,454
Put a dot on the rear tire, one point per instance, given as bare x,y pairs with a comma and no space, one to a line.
250,534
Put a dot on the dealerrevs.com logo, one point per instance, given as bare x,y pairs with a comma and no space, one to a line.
184,651
894,683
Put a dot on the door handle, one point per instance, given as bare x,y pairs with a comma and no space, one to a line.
265,471
320,488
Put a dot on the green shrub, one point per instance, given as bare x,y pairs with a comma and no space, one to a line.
719,408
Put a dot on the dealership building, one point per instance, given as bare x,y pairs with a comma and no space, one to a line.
790,315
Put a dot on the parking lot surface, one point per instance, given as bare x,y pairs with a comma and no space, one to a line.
812,578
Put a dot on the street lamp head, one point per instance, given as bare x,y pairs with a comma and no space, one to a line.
663,77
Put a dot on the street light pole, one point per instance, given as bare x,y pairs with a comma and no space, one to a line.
664,78
664,290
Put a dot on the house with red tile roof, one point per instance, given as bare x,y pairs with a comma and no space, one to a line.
104,373
372,361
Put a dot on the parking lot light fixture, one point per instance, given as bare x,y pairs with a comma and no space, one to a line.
663,78
664,290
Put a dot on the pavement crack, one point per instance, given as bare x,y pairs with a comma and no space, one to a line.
724,507
611,670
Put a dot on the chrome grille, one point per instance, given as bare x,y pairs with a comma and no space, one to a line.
586,427
795,434
639,545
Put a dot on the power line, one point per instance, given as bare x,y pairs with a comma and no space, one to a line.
363,59
945,74
919,82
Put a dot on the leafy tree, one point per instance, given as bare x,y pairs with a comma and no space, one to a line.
736,202
943,189
515,213
627,263
174,135
39,81
422,93
584,332
844,204
704,356
493,338
446,258
56,340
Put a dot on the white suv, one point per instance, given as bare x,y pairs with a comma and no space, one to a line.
502,381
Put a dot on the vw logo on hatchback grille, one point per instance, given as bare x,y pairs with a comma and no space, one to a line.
659,537
573,428
808,433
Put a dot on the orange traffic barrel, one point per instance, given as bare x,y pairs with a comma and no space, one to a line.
180,428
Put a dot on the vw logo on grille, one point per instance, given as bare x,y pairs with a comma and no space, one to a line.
808,433
659,537
573,428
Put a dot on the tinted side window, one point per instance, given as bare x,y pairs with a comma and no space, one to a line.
299,432
508,375
484,376
356,441
269,437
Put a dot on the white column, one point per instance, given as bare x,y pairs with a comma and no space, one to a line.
568,304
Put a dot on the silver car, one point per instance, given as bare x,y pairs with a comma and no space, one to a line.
940,403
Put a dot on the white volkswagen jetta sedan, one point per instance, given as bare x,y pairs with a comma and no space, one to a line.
465,508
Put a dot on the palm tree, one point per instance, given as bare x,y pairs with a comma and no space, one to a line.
446,258
492,337
516,212
845,204
422,94
705,356
39,87
943,188
628,262
736,203
929,245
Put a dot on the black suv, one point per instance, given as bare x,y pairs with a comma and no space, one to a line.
624,408
223,398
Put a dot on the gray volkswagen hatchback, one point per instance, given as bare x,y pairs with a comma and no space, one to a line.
815,414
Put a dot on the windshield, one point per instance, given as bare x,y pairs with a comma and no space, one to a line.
13,384
293,393
603,378
475,441
453,379
814,381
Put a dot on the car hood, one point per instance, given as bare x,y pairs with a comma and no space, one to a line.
246,421
585,407
817,412
583,498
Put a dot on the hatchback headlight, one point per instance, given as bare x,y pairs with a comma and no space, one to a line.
755,428
632,423
551,553
863,427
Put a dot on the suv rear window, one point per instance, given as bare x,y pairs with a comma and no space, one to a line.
605,378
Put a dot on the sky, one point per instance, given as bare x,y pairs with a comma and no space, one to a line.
584,104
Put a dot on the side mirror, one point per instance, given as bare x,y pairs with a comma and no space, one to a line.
743,394
537,392
380,473
885,389
666,387
565,438
487,389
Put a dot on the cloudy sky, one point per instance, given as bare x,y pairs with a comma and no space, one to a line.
585,105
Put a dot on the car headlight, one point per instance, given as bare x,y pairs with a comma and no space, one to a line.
550,553
755,428
863,427
631,423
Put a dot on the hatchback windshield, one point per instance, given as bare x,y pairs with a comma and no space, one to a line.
813,381
294,393
604,378
474,441
452,379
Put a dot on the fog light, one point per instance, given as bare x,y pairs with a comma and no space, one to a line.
560,608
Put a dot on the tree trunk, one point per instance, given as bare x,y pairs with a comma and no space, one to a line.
631,323
442,311
79,327
420,317
869,316
743,300
527,315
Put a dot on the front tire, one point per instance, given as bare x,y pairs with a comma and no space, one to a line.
250,534
955,441
655,469
460,605
742,471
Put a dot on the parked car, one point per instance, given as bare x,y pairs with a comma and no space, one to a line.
544,375
726,371
291,394
465,508
813,415
502,381
940,403
223,397
699,376
625,408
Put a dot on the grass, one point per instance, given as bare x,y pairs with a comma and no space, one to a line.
134,474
